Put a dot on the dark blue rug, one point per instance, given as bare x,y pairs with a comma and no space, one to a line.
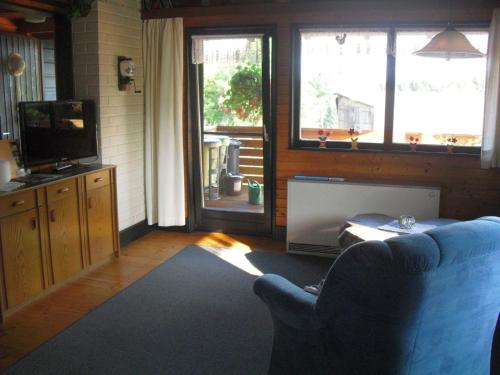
194,314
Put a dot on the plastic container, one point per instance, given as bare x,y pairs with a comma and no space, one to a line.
254,192
5,172
211,166
224,144
233,184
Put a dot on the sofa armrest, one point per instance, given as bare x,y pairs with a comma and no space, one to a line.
291,304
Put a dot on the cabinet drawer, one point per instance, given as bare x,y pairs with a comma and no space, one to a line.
18,202
61,190
97,180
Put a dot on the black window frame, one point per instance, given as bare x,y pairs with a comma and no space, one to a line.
388,145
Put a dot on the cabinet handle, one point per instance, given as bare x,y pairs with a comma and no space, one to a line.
17,203
53,215
90,202
98,179
33,223
63,190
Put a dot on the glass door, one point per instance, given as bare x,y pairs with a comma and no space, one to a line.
230,77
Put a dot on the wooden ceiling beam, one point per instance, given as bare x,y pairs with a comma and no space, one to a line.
52,7
11,15
7,25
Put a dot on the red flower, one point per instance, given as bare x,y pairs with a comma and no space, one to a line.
352,132
320,132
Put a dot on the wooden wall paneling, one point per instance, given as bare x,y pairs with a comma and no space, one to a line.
467,190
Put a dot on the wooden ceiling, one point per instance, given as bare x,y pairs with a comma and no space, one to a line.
13,15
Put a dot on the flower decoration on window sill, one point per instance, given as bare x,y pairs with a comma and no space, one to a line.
413,143
354,134
451,144
323,137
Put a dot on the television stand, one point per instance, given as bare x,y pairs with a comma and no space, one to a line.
72,169
63,166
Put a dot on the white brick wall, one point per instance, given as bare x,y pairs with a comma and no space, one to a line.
113,29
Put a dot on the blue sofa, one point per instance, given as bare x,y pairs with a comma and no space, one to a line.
415,304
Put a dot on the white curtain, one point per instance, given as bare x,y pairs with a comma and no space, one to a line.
490,154
163,48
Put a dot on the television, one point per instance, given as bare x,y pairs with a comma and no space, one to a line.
57,131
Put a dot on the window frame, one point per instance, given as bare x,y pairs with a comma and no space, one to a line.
388,145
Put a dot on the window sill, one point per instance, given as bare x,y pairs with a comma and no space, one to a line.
471,152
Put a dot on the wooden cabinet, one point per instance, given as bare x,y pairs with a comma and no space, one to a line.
22,257
64,237
52,232
100,217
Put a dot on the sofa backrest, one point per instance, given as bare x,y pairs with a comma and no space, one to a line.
416,304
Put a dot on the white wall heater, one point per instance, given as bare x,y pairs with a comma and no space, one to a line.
316,210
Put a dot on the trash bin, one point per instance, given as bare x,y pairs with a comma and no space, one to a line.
233,184
223,150
211,165
233,157
255,193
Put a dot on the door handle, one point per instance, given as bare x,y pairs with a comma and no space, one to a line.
98,179
266,136
63,190
17,203
53,215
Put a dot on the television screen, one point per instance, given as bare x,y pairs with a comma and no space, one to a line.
57,131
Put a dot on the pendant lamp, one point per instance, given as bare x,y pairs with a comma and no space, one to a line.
450,44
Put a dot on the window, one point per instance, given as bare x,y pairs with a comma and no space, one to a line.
369,80
435,99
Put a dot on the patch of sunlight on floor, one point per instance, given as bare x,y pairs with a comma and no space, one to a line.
236,257
221,240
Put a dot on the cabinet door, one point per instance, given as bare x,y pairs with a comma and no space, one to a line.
100,223
65,238
22,257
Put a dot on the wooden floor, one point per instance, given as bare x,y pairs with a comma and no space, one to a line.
235,203
27,329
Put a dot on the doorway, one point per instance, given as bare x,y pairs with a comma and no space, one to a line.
231,103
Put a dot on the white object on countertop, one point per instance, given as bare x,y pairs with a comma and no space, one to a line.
11,185
4,171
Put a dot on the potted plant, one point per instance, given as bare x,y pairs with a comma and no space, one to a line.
244,97
413,143
450,144
354,135
323,137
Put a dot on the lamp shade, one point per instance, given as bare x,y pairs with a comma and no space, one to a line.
450,44
16,64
